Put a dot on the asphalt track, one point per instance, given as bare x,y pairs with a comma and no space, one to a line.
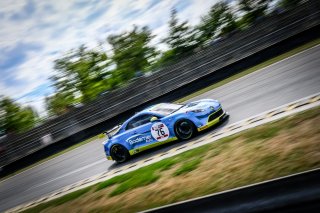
286,81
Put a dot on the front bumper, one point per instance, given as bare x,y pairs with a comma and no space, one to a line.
214,121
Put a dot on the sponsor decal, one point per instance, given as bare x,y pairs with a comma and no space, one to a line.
160,131
140,139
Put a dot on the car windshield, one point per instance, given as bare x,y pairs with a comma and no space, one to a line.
165,108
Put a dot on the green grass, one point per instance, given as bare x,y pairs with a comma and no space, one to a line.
195,153
267,159
251,70
137,178
59,201
187,167
144,178
221,146
261,133
166,164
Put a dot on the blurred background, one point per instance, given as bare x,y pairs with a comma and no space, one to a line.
65,60
71,70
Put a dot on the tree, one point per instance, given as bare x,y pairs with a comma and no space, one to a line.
163,59
289,4
229,24
181,37
253,9
2,122
16,119
132,52
219,20
59,103
83,73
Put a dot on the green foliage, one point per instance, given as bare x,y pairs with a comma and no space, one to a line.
84,74
219,20
59,103
84,71
81,73
229,24
188,167
289,4
132,52
164,58
180,38
253,9
14,118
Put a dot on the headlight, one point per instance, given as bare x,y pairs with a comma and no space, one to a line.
197,110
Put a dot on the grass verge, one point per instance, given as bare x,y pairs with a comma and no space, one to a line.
251,70
187,167
59,201
272,150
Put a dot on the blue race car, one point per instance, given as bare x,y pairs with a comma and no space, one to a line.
160,124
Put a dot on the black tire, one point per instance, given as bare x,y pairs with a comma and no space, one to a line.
184,129
119,153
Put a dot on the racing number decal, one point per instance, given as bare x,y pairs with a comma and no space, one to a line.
160,131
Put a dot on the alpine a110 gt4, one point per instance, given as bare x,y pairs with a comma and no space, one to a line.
161,124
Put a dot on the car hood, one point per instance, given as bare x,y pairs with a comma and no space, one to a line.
201,104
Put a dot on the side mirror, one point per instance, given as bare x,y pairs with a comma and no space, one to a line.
154,119
107,133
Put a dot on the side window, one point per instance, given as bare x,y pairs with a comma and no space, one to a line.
138,121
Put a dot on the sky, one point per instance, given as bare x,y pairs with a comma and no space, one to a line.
35,33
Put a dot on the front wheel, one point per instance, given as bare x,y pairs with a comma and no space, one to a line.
184,129
119,153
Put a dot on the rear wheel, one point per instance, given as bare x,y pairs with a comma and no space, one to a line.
184,129
119,153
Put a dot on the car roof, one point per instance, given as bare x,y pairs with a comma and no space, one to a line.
158,109
162,108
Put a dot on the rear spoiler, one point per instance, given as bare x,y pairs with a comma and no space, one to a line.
112,131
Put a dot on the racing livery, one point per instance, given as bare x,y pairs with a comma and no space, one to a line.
160,124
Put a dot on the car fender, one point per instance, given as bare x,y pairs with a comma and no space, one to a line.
114,142
187,116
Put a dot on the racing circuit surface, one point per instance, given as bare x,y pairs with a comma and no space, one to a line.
273,86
